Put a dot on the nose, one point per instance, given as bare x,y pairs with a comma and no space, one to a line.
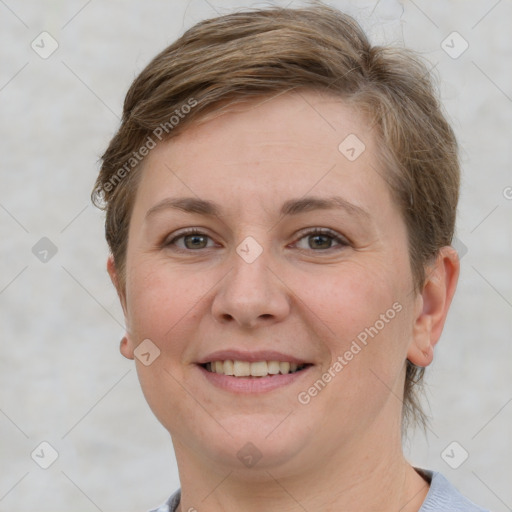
251,294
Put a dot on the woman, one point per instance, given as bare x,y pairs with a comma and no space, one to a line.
280,203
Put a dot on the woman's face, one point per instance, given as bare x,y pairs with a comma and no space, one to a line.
300,255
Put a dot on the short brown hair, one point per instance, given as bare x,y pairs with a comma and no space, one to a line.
264,52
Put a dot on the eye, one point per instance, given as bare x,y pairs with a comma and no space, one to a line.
314,239
191,239
321,239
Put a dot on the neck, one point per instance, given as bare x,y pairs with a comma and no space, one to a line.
340,479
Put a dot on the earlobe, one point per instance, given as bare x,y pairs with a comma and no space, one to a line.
126,348
421,352
432,306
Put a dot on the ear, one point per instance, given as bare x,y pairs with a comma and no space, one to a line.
432,306
114,277
126,346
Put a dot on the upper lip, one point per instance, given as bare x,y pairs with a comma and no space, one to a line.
253,356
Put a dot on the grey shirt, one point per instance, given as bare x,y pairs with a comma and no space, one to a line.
442,497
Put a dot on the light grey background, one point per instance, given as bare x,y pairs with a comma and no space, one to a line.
62,378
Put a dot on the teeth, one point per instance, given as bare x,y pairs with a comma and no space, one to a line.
273,367
229,368
255,369
259,369
240,368
284,368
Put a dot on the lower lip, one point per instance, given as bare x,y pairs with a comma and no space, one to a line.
252,384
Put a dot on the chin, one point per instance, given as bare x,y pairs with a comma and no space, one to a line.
253,446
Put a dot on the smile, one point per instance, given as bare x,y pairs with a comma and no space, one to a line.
253,369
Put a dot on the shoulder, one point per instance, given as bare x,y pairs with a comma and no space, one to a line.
444,497
171,504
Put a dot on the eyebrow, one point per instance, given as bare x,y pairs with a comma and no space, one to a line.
290,207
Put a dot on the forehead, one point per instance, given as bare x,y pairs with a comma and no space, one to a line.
261,128
267,150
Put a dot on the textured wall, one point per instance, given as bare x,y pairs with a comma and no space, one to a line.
62,379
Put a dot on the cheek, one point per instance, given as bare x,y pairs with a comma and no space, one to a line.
165,305
349,299
361,311
164,302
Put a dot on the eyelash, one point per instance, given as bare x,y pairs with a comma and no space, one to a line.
342,242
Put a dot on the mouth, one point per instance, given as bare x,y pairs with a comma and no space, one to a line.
243,372
253,369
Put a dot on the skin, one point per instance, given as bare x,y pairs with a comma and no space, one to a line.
304,296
